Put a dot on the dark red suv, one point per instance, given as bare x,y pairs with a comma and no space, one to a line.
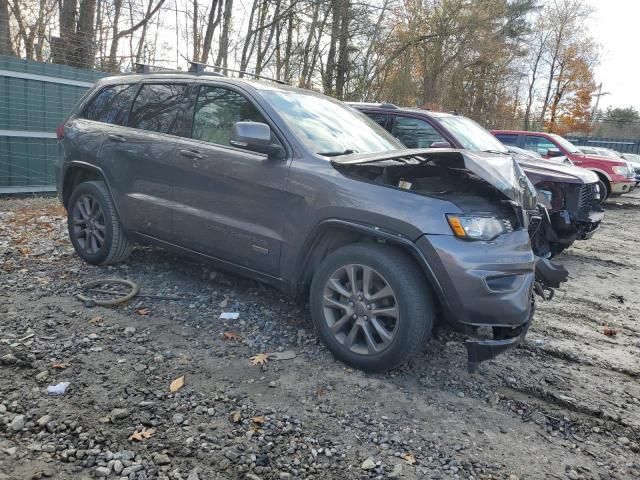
616,176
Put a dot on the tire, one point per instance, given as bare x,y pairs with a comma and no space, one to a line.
604,190
410,295
91,209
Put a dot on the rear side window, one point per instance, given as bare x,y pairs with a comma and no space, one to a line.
508,139
415,133
112,104
380,118
159,108
217,109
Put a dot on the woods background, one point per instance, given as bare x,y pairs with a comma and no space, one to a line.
506,63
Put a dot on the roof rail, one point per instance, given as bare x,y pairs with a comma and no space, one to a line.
146,68
388,105
198,68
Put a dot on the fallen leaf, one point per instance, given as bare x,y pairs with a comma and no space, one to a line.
258,420
231,336
609,331
259,359
60,366
96,321
24,251
143,311
236,417
177,384
140,435
409,458
224,303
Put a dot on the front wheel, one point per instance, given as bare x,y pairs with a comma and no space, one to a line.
371,306
604,190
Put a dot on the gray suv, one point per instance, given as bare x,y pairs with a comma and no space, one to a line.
300,191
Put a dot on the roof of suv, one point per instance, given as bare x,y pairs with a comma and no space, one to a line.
177,75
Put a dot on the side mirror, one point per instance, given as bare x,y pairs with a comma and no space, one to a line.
254,136
440,144
554,152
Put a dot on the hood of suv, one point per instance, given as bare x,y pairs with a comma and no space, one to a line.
499,170
546,170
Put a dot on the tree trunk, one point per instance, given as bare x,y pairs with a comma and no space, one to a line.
223,45
342,67
212,23
329,71
6,47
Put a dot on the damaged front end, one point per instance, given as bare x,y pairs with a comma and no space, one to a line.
488,265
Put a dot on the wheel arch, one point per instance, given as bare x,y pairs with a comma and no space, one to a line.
77,172
331,234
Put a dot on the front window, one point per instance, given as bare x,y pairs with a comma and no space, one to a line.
564,143
471,135
328,127
540,145
415,133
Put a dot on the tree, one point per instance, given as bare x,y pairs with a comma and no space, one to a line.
622,116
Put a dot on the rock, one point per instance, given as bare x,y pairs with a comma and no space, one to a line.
17,423
103,471
396,472
119,413
43,420
8,359
178,418
461,394
623,441
368,464
42,376
252,476
118,466
131,469
285,476
494,399
573,475
513,476
161,459
130,331
11,451
510,380
273,384
3,408
193,474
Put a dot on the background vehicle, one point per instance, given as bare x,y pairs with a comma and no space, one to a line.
567,192
615,175
298,190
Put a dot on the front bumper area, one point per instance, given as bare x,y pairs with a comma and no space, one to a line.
479,351
618,188
483,283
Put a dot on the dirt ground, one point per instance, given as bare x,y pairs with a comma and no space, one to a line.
565,404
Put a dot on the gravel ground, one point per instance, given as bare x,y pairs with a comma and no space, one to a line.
566,404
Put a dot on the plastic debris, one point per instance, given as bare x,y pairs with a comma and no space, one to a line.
229,316
58,389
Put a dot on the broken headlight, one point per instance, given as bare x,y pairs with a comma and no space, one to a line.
478,228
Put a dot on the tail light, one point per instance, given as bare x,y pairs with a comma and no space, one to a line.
60,131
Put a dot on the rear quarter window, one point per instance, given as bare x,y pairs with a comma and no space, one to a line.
111,104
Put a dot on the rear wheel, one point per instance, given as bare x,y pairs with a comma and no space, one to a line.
371,306
94,226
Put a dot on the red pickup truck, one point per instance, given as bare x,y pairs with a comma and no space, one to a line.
616,176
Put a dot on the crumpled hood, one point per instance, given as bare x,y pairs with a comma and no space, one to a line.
501,171
556,172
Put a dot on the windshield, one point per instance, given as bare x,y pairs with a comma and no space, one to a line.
471,135
564,143
328,127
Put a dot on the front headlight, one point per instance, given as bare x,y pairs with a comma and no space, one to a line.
478,228
620,170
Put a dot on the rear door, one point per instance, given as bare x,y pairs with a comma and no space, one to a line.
232,202
140,156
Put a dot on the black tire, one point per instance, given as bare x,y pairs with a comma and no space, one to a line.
605,190
114,246
411,295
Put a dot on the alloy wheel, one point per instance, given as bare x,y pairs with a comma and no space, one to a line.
361,309
89,225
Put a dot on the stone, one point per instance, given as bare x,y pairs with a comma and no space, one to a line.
118,466
129,331
119,413
103,471
368,464
396,472
17,423
43,420
623,440
42,376
573,475
161,459
285,476
178,418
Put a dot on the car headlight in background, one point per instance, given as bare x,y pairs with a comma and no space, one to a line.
478,228
621,170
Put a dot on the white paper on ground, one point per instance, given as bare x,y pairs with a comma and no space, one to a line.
229,316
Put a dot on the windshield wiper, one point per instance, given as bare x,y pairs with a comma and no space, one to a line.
348,151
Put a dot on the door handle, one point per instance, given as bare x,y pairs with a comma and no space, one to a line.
117,138
191,154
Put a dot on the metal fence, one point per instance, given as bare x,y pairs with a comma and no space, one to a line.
34,98
618,144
